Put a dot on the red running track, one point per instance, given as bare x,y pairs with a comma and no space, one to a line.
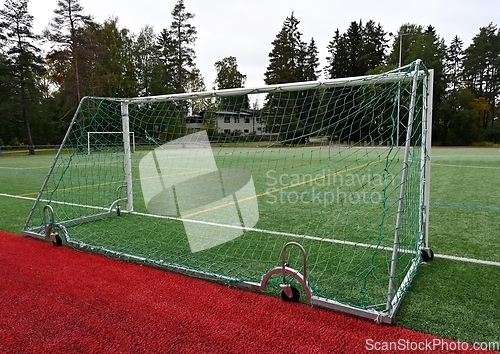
59,300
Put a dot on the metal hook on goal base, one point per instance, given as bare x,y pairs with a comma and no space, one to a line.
288,292
49,227
118,199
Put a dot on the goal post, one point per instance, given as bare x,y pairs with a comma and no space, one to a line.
311,190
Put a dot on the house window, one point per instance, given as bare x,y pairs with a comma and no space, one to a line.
227,120
227,131
247,120
257,120
259,129
245,131
236,119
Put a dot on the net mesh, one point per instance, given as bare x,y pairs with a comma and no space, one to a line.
220,181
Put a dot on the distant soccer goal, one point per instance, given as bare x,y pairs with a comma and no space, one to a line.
108,141
312,191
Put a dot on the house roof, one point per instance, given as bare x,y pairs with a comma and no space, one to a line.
195,118
232,113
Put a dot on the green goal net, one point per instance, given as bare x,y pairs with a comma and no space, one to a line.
315,190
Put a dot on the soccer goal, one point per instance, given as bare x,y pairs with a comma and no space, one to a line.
312,191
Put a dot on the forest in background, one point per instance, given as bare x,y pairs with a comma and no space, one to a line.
40,90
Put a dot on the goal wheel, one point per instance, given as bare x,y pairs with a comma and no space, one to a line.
118,212
57,240
427,255
295,295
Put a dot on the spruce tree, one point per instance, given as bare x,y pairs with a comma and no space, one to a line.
454,64
168,59
291,60
183,37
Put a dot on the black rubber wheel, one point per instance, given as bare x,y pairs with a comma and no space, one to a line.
427,255
295,295
57,241
118,213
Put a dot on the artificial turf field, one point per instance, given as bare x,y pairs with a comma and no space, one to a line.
453,298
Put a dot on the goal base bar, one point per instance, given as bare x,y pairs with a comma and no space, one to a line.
377,316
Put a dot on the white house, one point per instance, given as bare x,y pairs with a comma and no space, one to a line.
243,121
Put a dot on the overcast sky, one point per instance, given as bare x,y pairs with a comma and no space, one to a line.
245,28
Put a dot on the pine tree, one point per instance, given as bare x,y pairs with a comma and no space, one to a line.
338,60
308,63
482,68
458,118
430,48
278,70
286,54
354,53
26,63
354,42
112,71
64,32
147,62
228,76
373,47
406,37
196,83
7,121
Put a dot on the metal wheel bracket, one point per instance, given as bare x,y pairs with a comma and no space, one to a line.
48,225
284,270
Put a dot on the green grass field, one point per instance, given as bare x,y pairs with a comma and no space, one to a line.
457,299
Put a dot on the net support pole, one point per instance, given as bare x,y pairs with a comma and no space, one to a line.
127,158
428,144
402,190
424,167
52,167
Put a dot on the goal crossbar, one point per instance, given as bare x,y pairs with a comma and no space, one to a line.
294,86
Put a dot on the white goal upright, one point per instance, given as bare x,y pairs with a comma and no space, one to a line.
313,190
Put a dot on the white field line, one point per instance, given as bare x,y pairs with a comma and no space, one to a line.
278,233
23,168
466,166
55,202
468,260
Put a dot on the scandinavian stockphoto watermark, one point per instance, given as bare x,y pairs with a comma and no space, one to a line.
435,344
327,187
181,180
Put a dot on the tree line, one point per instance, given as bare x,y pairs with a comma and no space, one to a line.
41,89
